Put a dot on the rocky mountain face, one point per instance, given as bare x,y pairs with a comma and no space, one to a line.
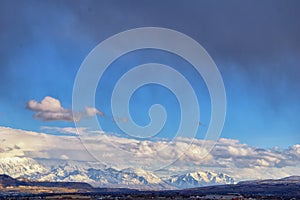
101,176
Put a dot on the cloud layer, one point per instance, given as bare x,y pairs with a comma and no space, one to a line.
50,109
230,156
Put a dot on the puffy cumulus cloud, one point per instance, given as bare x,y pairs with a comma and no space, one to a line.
17,142
50,109
261,172
233,153
49,104
294,151
229,156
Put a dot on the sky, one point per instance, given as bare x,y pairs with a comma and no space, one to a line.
254,44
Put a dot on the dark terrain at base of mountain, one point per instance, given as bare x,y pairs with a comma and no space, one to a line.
286,188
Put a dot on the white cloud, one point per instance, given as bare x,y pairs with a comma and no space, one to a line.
64,130
229,156
40,145
48,104
50,109
93,111
64,157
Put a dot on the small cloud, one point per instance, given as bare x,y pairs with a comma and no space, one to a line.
55,116
93,111
64,157
125,119
120,119
50,109
48,104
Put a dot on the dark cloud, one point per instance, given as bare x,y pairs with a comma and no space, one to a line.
260,38
255,44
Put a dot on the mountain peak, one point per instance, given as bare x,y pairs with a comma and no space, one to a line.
199,178
100,176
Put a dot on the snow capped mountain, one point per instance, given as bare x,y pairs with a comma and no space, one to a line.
68,171
150,177
101,176
198,179
124,178
17,167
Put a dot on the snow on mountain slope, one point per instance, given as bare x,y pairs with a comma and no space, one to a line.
94,173
198,179
17,167
151,180
101,176
150,177
63,170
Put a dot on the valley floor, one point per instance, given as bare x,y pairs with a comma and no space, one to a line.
139,197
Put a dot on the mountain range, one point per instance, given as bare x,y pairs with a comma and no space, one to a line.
101,176
286,188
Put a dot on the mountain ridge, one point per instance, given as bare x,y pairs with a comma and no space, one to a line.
99,175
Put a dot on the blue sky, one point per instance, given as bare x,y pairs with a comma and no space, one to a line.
255,45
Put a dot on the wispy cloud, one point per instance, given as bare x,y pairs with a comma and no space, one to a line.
63,131
50,109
